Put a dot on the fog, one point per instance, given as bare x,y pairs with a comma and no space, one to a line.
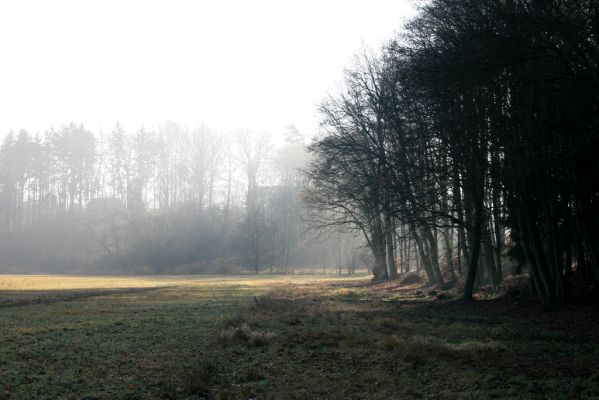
155,137
170,200
257,65
340,199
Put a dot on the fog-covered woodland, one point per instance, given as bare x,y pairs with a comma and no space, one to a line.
414,213
168,199
465,148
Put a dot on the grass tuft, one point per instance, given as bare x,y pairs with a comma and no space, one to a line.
244,335
202,377
386,324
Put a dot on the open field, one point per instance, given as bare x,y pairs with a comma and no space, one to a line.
282,337
111,337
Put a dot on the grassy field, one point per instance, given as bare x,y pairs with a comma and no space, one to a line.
280,338
112,337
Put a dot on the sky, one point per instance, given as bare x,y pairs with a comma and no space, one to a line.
229,64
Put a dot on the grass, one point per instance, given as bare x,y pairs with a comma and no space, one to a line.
326,341
112,337
280,338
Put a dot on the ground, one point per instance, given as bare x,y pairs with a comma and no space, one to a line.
283,338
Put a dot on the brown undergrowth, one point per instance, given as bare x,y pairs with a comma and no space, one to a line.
379,341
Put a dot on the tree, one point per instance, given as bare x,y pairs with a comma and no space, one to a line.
253,151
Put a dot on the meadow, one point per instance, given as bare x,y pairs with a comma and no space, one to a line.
111,337
282,337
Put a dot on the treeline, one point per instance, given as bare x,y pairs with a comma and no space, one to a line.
472,137
165,168
163,200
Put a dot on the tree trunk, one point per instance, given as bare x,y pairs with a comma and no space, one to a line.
392,267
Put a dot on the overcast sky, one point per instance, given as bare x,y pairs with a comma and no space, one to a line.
226,63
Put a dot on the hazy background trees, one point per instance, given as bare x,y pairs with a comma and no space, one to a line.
465,149
162,200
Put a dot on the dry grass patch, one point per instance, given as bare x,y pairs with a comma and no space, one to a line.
386,324
352,343
202,377
244,335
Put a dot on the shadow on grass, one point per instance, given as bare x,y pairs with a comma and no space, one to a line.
9,299
339,344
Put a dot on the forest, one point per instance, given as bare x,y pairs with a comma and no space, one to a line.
473,139
467,143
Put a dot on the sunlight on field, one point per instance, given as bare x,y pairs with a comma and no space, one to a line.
70,282
60,282
118,337
141,335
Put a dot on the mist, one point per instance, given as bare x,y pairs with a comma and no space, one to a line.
385,199
146,138
166,200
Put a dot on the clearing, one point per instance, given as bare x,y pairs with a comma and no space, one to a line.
279,337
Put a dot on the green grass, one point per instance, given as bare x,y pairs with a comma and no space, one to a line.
336,343
279,338
78,337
